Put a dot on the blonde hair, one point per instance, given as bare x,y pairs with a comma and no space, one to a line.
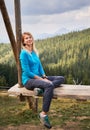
23,46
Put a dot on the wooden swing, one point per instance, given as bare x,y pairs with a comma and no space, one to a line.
79,92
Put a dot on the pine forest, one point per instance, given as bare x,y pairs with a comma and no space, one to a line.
67,55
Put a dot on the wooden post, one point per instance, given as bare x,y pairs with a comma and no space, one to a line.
33,103
18,36
18,23
8,28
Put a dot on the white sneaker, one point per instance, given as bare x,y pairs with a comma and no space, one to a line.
38,91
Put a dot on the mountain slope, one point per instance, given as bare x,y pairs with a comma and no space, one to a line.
67,55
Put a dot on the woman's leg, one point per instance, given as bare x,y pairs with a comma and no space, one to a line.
47,97
48,91
56,80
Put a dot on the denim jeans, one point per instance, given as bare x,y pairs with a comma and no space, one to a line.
47,87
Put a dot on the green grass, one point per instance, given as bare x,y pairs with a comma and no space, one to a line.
64,113
14,112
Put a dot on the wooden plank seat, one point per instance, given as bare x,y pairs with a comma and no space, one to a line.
79,92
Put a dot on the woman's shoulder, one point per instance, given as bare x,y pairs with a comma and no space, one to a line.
34,53
23,53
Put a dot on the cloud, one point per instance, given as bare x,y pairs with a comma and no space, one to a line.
66,17
48,16
73,20
39,7
85,14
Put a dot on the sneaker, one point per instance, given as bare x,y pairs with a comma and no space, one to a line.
38,91
45,121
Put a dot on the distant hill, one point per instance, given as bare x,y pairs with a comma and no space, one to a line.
67,55
6,54
61,31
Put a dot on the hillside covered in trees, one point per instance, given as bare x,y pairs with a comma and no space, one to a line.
67,55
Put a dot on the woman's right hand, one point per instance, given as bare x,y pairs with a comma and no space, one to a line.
45,79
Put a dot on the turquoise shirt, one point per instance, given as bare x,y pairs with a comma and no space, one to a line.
30,65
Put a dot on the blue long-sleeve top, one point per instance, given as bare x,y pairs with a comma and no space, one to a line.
30,65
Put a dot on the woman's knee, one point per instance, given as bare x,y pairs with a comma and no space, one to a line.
50,85
62,79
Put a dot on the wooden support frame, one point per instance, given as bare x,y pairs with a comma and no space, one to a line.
18,36
33,102
16,44
9,28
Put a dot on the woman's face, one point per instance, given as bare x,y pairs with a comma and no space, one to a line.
28,39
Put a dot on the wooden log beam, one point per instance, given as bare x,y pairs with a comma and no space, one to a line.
73,91
8,28
18,23
18,36
64,91
78,92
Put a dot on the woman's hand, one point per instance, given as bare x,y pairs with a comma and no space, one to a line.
45,79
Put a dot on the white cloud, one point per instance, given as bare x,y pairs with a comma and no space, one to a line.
38,7
48,22
51,23
84,14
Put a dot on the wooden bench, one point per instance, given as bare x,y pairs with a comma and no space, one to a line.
79,92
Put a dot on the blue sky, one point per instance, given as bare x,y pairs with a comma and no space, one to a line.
48,16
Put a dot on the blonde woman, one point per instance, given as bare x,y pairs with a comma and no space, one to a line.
34,77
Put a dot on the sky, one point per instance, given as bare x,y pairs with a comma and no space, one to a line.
49,16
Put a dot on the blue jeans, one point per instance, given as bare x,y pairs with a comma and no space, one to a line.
47,87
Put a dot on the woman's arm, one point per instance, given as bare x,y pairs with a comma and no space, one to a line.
25,65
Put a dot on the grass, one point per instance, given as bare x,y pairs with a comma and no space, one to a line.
64,113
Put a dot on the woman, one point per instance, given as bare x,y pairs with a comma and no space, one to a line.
34,78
